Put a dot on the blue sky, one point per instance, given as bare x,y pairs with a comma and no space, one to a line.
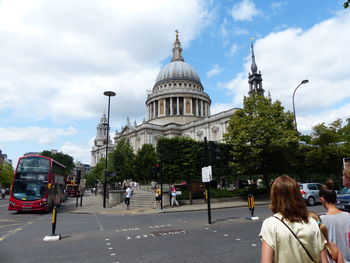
57,57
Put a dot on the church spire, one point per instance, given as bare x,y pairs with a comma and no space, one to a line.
253,67
177,50
255,79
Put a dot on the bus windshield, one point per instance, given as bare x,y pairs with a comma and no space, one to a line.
33,164
28,190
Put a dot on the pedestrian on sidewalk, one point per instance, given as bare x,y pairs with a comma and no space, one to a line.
128,193
158,197
173,196
337,221
291,234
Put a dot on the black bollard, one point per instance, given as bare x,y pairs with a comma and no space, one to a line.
53,220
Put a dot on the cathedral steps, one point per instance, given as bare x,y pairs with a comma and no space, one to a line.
141,198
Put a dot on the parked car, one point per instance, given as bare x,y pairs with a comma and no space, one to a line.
343,199
310,192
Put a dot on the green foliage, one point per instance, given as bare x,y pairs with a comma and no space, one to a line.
262,137
62,158
97,173
329,144
346,4
145,160
181,159
122,161
6,174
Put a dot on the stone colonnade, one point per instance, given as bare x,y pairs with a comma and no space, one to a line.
177,106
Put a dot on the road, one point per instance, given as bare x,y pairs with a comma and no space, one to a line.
164,237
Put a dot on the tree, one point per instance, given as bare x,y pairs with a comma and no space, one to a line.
346,4
6,174
145,160
262,137
329,144
181,159
97,173
122,161
65,159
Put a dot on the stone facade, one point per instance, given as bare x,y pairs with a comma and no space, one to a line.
100,143
177,106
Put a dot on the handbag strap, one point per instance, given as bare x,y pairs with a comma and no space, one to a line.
307,252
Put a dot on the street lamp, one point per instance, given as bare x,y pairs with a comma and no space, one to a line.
295,118
109,94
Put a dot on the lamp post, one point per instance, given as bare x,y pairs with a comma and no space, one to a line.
295,118
109,94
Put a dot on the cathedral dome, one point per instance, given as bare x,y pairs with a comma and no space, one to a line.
177,70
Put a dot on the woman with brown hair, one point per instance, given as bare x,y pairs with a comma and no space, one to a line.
290,235
333,252
337,222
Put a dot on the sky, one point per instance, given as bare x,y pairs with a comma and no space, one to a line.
57,57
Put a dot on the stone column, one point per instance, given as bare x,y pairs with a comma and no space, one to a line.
191,106
197,110
164,107
202,108
171,107
177,105
154,109
158,107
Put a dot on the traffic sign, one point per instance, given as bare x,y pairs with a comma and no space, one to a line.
206,174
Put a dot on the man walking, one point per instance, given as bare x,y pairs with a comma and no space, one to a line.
128,193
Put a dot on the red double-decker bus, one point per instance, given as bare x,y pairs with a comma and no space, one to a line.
38,184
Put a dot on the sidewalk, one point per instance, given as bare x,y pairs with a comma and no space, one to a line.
94,205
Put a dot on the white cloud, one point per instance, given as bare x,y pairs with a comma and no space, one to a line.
233,50
277,7
220,107
244,11
34,134
216,69
319,54
61,55
241,31
80,152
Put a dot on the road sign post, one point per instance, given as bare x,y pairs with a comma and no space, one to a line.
207,177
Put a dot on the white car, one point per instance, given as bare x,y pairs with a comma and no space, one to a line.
310,192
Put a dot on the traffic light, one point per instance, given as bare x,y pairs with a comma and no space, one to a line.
214,152
78,176
157,167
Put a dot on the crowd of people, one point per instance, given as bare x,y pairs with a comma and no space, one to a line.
294,234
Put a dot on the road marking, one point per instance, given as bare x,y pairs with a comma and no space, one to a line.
226,235
238,239
3,226
110,248
127,229
107,239
108,244
253,245
113,254
11,232
174,232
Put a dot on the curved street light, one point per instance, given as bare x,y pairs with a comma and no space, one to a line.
109,94
295,118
